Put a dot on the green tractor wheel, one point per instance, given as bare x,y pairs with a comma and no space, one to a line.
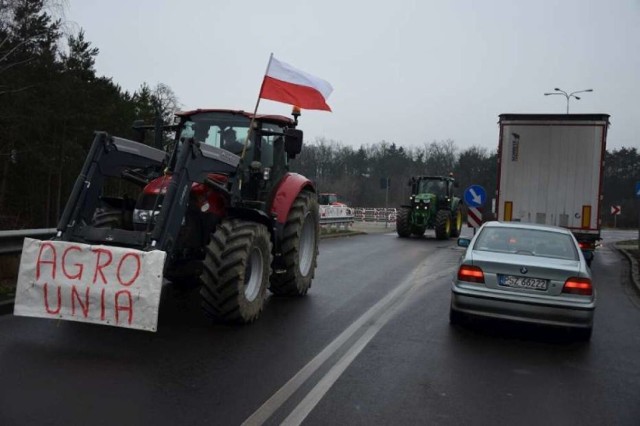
457,223
443,224
403,225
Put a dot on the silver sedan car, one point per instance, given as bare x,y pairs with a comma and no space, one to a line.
524,272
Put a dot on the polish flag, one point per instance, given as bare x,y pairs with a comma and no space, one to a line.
289,85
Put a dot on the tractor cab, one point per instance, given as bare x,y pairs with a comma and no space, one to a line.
268,147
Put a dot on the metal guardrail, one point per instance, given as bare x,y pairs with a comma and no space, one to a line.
11,241
370,214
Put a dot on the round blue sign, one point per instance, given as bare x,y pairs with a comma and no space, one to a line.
475,196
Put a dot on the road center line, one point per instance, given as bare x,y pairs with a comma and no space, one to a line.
284,393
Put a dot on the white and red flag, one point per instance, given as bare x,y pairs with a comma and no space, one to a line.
289,85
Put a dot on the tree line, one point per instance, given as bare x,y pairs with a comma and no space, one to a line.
358,175
51,101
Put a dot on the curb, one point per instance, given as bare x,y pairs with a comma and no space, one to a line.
635,270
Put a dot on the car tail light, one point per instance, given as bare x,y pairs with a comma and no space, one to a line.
581,286
471,274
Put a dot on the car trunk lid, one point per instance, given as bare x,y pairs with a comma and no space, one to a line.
525,273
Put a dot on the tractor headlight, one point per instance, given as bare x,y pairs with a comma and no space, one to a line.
144,216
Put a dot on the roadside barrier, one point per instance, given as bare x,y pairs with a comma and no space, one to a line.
330,216
369,214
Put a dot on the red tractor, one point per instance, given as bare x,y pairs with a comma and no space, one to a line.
220,201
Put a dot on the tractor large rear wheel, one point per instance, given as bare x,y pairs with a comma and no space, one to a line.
443,224
107,217
236,271
456,227
299,248
403,225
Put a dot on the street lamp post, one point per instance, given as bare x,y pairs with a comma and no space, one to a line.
568,95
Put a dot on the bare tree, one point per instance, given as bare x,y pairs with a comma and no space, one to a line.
165,101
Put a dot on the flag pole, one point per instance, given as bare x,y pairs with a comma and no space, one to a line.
255,111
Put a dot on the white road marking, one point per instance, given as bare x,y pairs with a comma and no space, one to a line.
383,311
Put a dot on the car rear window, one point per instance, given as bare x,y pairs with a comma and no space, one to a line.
532,242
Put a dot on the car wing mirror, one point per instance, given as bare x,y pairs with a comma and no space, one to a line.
464,242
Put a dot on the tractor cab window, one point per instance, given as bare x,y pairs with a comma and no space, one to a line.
222,130
436,187
272,147
229,132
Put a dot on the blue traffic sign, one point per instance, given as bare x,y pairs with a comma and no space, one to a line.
475,196
638,189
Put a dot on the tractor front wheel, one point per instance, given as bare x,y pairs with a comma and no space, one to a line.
403,225
443,224
299,248
457,222
236,271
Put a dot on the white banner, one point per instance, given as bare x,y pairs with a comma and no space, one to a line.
97,284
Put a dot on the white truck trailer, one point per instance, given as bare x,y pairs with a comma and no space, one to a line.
550,169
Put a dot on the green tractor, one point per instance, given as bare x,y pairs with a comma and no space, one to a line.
433,206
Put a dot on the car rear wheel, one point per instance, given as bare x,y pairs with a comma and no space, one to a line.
455,317
582,334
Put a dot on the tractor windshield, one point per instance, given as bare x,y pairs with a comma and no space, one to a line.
432,186
229,131
226,131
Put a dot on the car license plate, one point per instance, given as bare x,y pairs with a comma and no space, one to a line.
523,282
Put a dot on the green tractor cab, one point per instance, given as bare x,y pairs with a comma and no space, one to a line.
432,205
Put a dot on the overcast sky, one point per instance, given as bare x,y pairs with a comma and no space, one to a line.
403,71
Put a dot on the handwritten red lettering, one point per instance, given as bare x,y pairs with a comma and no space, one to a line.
51,262
102,305
100,266
46,300
76,296
80,266
136,273
128,308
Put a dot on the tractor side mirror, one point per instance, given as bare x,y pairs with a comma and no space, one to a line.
293,142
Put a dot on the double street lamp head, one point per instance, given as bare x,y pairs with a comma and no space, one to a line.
568,96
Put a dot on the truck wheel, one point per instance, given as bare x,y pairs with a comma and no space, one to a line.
237,267
299,247
403,227
443,224
457,223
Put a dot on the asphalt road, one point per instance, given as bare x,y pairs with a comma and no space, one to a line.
370,344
